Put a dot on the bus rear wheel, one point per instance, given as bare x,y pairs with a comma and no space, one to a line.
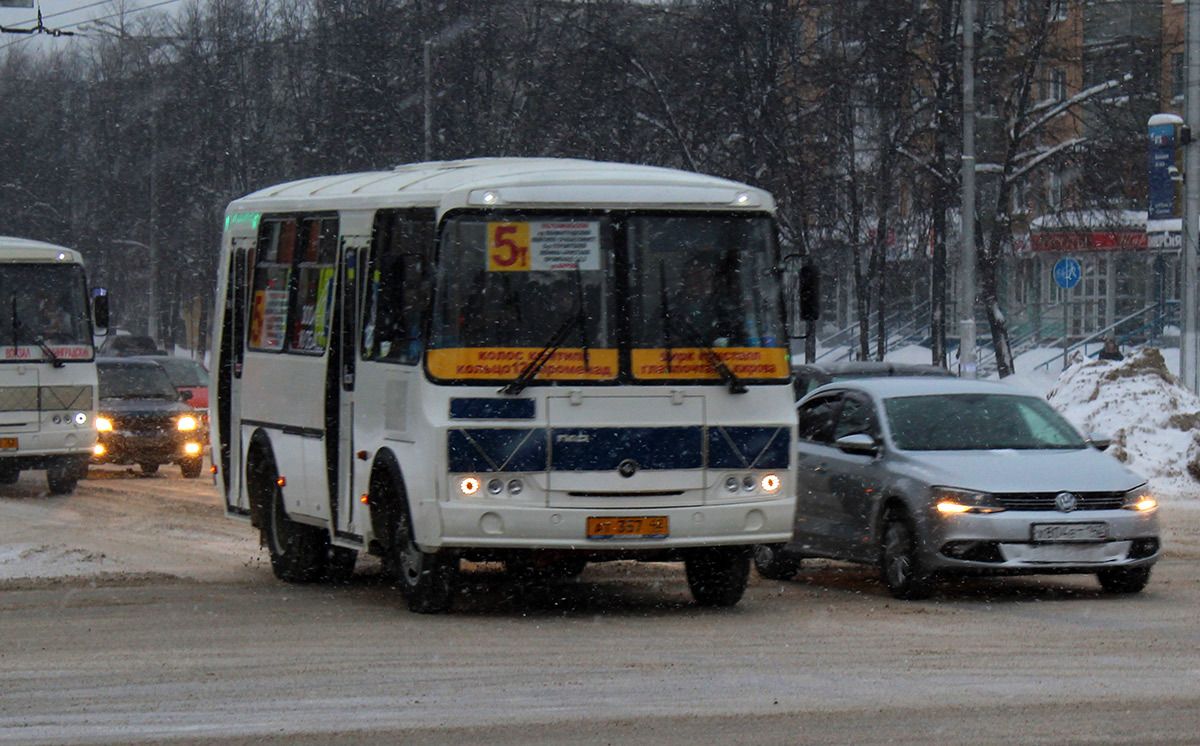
426,579
718,575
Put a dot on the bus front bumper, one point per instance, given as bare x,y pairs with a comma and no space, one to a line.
539,527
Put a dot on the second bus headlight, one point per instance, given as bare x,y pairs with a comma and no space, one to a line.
186,422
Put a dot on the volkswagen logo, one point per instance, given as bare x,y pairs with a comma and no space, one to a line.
1066,501
627,468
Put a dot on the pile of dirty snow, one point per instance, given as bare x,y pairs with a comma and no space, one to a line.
1148,413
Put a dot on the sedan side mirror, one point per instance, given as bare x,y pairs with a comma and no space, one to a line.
858,443
1099,441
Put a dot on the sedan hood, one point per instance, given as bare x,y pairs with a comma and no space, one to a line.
1006,470
134,407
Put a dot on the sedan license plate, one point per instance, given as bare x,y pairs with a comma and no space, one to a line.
645,527
1069,532
8,444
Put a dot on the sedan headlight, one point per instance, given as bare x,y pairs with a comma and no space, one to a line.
1139,499
186,422
103,424
952,500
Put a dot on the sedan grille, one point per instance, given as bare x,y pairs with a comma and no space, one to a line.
1046,500
144,423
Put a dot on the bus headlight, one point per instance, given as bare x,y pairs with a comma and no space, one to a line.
80,418
770,482
186,422
468,485
103,424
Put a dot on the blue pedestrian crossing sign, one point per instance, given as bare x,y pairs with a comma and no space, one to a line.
1067,273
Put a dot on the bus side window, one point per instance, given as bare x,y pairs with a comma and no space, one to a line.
399,285
312,312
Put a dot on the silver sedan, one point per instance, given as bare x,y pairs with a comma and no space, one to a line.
931,477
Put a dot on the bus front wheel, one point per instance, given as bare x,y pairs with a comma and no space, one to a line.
718,575
426,579
298,552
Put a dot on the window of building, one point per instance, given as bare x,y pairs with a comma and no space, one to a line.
1054,190
1177,74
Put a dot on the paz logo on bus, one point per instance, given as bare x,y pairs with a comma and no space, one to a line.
573,438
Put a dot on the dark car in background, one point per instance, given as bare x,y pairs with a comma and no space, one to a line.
143,419
126,345
187,375
811,375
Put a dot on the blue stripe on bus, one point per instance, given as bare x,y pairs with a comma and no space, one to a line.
748,448
496,449
604,448
483,408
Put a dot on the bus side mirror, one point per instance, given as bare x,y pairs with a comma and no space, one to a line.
100,311
810,292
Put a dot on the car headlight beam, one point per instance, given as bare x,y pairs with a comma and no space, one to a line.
103,424
1140,499
186,422
952,501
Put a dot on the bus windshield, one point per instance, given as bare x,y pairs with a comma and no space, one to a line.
701,289
44,304
505,289
704,285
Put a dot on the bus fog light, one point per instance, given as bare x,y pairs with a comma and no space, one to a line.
56,420
515,486
468,485
495,486
192,448
98,449
748,483
731,484
770,482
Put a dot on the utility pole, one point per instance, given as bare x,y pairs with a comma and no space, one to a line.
1188,348
428,98
966,305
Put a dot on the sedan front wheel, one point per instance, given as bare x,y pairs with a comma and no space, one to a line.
902,572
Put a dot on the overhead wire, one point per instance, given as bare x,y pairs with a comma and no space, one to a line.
62,30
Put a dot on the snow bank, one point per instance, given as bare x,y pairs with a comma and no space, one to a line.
1148,413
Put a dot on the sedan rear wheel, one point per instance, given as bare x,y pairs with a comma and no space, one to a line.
902,572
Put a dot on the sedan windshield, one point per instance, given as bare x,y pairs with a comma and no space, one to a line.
977,422
135,382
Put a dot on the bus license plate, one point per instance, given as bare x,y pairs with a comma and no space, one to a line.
8,444
645,527
1068,532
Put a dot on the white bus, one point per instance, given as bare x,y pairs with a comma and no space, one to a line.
544,362
47,365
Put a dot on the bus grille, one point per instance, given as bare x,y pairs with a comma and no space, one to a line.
46,398
1045,500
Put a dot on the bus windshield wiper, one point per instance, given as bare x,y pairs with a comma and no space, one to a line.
576,319
518,384
710,355
18,327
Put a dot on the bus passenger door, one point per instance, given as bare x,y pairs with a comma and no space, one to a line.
342,373
230,358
